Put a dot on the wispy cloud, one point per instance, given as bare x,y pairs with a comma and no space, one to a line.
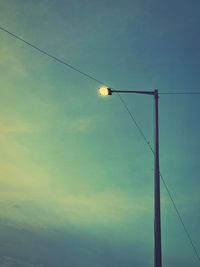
82,124
48,208
109,207
17,128
10,62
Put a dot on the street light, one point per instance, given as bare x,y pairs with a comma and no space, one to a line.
157,214
104,91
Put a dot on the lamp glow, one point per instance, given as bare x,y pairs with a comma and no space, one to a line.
104,91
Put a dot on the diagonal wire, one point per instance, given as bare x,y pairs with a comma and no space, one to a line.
136,123
73,67
51,56
180,218
162,178
129,112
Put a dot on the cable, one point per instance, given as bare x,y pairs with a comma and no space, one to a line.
162,178
76,69
180,218
130,114
135,122
51,56
180,93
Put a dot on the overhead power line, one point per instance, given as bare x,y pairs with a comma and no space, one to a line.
181,220
51,56
136,123
179,93
163,180
75,68
129,112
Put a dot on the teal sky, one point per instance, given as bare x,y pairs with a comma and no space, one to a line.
76,182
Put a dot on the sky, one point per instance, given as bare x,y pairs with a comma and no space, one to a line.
76,176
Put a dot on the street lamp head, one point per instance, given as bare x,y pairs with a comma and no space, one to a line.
104,91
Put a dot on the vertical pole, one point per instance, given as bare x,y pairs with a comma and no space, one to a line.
157,218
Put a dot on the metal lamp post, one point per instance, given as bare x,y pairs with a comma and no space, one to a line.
157,214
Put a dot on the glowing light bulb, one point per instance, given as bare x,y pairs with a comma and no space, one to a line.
104,91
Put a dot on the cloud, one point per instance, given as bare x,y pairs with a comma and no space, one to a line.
31,196
12,150
101,208
16,128
11,261
82,124
48,208
11,62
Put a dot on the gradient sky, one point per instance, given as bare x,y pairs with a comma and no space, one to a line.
76,182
